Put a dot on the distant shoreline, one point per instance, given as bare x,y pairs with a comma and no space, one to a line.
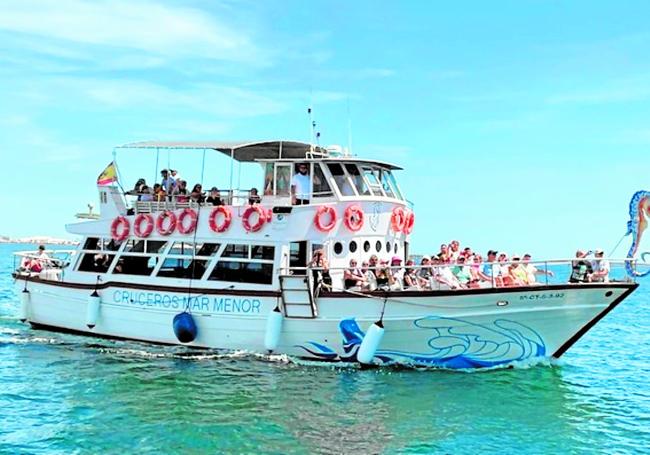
38,240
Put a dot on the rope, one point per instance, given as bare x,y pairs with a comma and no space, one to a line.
617,245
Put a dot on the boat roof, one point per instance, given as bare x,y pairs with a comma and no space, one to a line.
251,151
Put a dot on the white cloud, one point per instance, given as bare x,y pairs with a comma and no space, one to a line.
141,26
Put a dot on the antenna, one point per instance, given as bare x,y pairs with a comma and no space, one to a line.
312,127
349,129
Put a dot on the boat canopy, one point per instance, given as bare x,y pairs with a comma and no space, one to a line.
245,151
256,151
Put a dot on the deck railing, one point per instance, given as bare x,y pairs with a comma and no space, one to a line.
441,277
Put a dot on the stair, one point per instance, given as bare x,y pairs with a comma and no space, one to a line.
297,298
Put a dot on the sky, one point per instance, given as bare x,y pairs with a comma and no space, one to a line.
521,125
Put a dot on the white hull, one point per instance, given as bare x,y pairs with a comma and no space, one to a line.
455,329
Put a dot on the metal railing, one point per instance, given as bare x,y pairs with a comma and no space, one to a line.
51,265
500,275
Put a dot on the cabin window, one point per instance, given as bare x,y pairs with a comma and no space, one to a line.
134,246
191,249
269,181
357,179
390,178
262,252
378,246
341,179
283,180
182,268
234,250
388,246
135,265
373,181
243,272
366,246
155,246
338,248
95,243
386,183
321,186
96,262
353,246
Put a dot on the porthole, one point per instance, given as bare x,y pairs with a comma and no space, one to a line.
396,248
378,246
338,248
608,294
388,246
366,246
353,246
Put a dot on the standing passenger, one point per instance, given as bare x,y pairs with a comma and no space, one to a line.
301,186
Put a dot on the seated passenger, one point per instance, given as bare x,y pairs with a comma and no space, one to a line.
180,192
215,197
353,277
476,269
461,272
580,268
137,188
443,278
254,197
396,273
411,279
531,270
369,275
159,193
600,268
383,276
425,272
197,194
516,272
146,195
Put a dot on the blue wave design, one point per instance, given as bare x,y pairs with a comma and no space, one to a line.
454,343
636,230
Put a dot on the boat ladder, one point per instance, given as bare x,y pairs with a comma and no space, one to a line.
297,297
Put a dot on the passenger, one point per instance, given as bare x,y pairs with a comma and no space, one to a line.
215,197
319,262
369,275
159,193
492,270
175,175
137,188
503,269
580,268
301,186
180,192
254,197
443,275
444,253
461,272
516,272
454,250
600,268
476,269
425,273
146,195
37,261
396,273
197,194
532,271
167,181
384,277
353,277
411,278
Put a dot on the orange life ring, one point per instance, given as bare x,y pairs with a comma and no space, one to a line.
353,218
398,219
227,218
120,228
137,225
194,217
410,221
160,222
261,218
318,220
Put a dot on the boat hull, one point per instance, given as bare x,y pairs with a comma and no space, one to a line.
451,329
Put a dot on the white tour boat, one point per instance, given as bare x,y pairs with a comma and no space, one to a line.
237,276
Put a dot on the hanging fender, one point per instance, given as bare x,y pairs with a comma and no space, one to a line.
261,218
370,343
120,228
353,218
137,225
322,213
194,217
227,218
160,223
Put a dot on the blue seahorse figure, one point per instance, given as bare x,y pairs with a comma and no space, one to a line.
636,226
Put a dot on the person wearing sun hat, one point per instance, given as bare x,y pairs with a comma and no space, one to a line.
397,273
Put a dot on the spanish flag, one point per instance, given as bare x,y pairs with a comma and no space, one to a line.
108,175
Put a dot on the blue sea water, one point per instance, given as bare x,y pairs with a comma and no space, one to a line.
68,394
